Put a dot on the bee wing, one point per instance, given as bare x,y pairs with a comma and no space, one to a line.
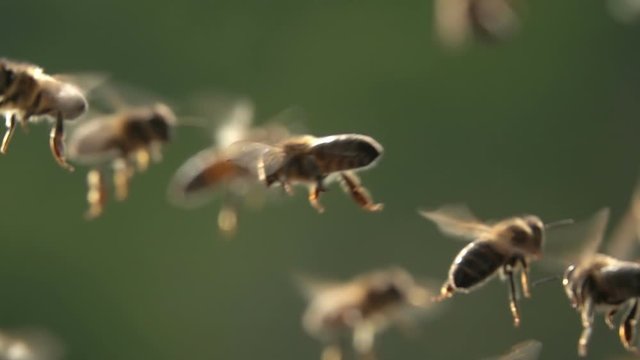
116,96
236,122
578,242
311,286
623,242
86,81
452,21
526,350
494,19
457,220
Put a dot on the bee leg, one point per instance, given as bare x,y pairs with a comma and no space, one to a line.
227,220
121,175
155,151
143,157
446,292
586,316
56,143
524,278
286,186
10,122
96,195
513,300
363,339
351,184
627,330
331,352
314,195
608,318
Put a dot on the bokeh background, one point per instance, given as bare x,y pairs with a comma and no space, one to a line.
547,123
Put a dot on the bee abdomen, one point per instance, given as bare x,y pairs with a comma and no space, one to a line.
346,152
475,264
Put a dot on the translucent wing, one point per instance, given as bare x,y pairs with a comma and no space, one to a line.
452,21
457,220
236,123
493,19
623,242
578,242
86,81
526,350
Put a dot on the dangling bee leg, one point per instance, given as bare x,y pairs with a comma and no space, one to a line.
446,291
121,174
56,143
513,299
363,338
351,184
142,158
314,195
608,318
96,194
627,330
586,316
227,219
524,278
10,123
331,352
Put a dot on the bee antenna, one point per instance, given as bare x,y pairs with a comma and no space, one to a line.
558,223
546,280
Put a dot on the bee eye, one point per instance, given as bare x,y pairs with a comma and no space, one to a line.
519,236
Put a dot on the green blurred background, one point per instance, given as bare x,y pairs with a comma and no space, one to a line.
546,124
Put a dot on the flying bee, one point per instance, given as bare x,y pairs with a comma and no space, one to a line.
607,281
27,92
506,247
490,20
131,137
526,350
311,160
229,165
363,306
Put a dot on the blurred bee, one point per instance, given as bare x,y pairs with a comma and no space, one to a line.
505,247
27,92
363,306
29,344
526,350
311,160
227,166
490,20
129,137
609,283
624,11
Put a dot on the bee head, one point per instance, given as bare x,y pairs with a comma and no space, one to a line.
162,121
7,76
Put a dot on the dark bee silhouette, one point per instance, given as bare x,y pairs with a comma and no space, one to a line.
27,92
363,306
506,247
607,281
130,137
310,160
488,20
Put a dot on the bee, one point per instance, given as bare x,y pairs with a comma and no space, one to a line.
490,20
227,166
363,306
607,281
506,247
27,92
526,350
312,160
128,138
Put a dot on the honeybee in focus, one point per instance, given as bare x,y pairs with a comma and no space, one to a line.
506,247
526,350
315,160
607,281
126,140
28,93
458,20
228,166
363,307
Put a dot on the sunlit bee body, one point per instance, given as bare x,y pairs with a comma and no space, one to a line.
363,306
506,247
27,92
228,167
598,282
310,160
490,20
526,350
131,137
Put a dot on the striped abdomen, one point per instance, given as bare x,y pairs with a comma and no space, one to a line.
475,264
345,152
